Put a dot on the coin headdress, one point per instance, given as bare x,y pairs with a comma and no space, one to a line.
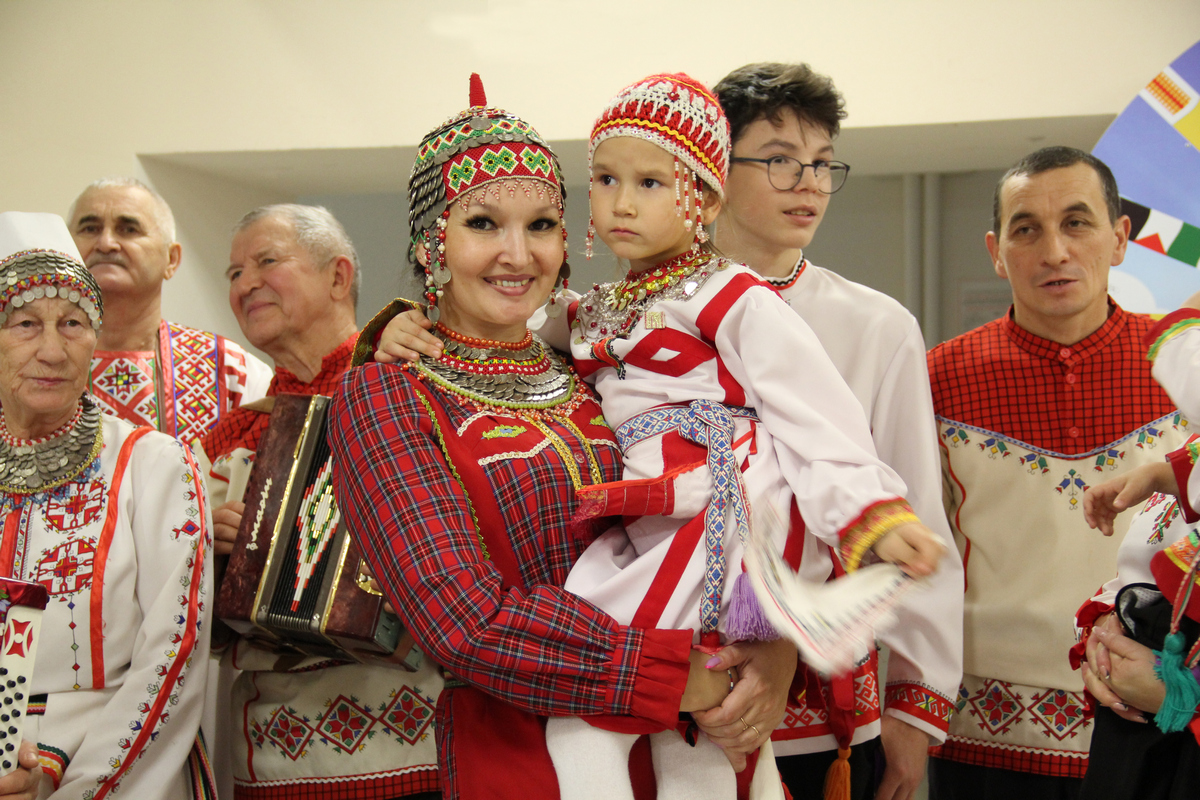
477,152
39,259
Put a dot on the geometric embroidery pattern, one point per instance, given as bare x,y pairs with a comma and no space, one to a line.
78,508
67,569
289,732
1061,713
197,397
1072,487
345,723
866,693
995,706
921,699
123,385
409,715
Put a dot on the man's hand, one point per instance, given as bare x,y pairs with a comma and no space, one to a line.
912,547
758,702
22,783
226,521
1104,501
407,338
906,749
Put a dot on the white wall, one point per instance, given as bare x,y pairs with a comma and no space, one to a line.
225,104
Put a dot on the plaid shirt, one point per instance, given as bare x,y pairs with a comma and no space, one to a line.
544,650
1065,398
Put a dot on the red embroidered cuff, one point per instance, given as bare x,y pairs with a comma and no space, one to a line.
869,527
920,702
1182,462
1172,324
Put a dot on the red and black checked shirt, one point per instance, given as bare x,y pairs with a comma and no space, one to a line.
545,650
243,427
1068,399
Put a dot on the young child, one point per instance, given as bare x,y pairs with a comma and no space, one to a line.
718,393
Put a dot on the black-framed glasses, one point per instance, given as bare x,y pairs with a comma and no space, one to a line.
785,172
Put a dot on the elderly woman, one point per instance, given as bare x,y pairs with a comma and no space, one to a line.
112,520
458,477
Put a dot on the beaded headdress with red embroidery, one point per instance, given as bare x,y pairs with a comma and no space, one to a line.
679,114
477,152
39,259
682,116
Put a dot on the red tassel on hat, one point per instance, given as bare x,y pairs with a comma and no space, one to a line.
478,98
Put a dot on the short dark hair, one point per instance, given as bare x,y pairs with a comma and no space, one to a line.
1059,157
765,90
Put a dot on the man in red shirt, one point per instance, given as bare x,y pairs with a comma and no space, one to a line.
1031,409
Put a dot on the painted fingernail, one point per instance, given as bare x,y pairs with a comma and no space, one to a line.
1107,675
712,662
1120,707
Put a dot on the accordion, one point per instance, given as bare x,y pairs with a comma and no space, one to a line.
21,607
295,581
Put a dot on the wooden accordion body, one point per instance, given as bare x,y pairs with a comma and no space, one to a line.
294,582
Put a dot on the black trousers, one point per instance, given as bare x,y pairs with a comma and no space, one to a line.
804,775
950,780
1137,761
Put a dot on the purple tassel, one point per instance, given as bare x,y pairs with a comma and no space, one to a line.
746,620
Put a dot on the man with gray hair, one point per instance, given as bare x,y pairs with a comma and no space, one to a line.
147,370
367,730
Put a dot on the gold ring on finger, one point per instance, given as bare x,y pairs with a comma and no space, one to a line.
745,725
757,735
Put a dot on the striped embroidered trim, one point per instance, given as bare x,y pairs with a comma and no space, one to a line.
54,762
204,783
668,132
920,701
789,280
872,525
511,454
1177,329
100,559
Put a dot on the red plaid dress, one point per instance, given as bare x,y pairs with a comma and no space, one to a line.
490,607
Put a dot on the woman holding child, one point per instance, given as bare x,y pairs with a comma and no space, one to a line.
474,459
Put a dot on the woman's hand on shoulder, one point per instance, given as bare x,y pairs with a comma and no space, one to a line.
406,338
757,704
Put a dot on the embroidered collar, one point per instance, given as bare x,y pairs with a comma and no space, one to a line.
789,280
1089,346
32,466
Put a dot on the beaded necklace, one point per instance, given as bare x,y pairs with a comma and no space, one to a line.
30,466
613,309
505,377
